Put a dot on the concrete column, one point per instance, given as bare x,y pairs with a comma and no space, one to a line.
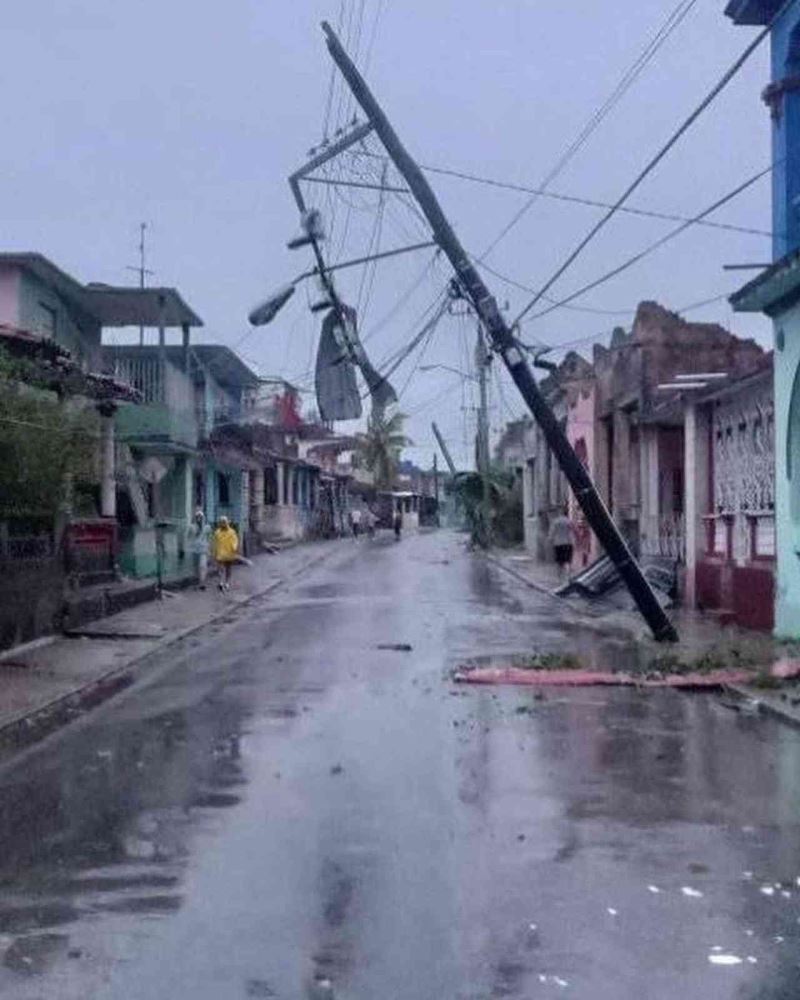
281,472
108,472
695,472
261,488
653,472
185,328
648,478
162,350
188,489
620,461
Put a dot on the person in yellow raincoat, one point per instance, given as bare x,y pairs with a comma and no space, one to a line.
226,551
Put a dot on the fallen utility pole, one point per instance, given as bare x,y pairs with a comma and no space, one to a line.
504,342
445,449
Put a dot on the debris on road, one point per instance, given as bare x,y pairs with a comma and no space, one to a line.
586,678
395,647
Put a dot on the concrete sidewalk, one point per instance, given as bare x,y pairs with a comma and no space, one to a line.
699,633
50,681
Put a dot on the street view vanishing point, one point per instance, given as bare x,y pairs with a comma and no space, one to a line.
400,501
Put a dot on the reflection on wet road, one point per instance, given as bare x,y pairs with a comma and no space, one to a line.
290,811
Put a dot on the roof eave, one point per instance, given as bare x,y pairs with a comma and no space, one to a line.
751,12
774,291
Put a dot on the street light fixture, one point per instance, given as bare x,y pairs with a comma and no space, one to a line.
267,310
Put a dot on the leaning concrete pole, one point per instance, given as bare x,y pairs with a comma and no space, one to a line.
445,449
505,344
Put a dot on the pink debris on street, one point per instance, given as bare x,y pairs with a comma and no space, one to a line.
784,669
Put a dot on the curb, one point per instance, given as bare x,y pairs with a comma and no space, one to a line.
768,706
520,576
34,724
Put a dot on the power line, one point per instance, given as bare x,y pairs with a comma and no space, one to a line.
404,298
653,163
425,345
411,346
651,248
331,82
433,399
527,288
589,202
370,46
626,82
594,337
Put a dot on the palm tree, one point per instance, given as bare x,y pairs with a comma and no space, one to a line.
381,446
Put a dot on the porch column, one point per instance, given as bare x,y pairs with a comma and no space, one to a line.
162,349
621,488
649,501
280,471
185,331
695,474
108,474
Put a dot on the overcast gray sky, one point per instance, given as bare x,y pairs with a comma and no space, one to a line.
189,115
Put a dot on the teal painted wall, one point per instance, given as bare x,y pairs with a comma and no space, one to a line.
787,472
233,510
152,422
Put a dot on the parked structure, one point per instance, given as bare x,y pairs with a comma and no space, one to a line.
776,292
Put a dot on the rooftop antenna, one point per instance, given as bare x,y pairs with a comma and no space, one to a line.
141,270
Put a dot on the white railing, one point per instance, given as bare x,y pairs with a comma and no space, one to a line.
664,535
144,374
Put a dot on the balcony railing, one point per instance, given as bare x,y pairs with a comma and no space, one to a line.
664,535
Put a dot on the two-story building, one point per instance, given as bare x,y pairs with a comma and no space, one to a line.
178,450
59,322
776,291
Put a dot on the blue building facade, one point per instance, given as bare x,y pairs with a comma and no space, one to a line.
776,291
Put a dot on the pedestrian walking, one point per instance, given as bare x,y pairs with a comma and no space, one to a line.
226,551
355,521
369,522
200,543
562,538
398,524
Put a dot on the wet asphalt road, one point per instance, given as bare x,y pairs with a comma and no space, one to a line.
285,810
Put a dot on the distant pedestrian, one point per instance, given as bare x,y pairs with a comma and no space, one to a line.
370,521
562,538
355,521
398,524
226,551
200,543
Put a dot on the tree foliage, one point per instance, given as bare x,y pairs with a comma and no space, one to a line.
505,505
42,439
380,448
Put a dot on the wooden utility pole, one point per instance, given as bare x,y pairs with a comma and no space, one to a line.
504,342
